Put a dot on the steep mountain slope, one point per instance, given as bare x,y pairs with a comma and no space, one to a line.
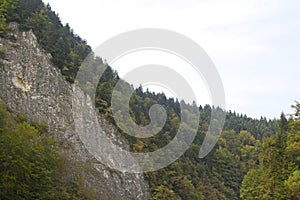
31,85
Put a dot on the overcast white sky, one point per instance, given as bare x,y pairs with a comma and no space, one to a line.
255,44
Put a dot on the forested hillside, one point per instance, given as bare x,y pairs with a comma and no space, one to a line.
253,159
33,165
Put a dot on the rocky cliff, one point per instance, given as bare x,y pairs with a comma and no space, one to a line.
31,85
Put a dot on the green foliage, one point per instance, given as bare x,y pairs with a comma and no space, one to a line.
252,187
277,176
218,176
30,165
293,185
266,182
27,162
6,9
162,192
259,128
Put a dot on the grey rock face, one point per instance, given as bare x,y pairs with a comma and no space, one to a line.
31,85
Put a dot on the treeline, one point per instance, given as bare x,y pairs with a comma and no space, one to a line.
259,128
33,165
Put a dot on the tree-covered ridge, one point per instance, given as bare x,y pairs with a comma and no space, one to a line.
259,128
244,145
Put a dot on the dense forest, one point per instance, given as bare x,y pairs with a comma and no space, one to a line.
253,159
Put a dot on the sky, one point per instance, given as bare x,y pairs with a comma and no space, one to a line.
254,44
